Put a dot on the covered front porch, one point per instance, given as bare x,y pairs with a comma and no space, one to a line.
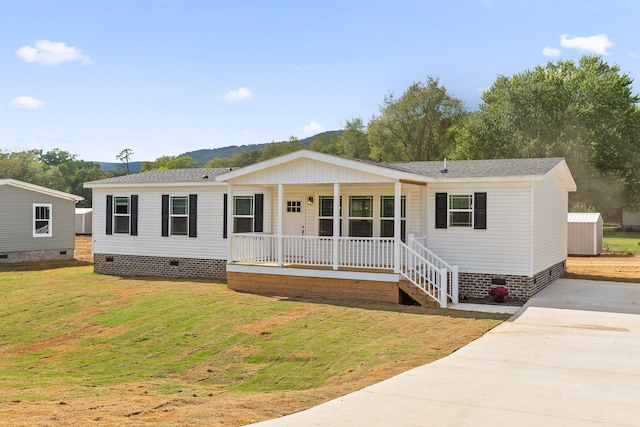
306,218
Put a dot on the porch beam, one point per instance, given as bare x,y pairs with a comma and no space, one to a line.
280,210
397,219
336,224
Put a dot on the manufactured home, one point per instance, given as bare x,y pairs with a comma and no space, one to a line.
313,225
37,222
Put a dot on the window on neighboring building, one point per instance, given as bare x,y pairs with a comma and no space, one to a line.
325,223
42,226
243,214
387,204
121,215
179,215
360,216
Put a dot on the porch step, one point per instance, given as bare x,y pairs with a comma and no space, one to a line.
418,295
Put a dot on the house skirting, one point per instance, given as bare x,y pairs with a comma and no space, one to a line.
309,287
477,285
37,255
139,265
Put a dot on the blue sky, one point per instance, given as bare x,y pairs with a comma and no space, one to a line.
163,77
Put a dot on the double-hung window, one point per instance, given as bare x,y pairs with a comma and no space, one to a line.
42,226
121,214
179,215
243,214
387,205
360,216
460,210
325,224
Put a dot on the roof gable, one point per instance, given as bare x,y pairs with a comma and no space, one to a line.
40,189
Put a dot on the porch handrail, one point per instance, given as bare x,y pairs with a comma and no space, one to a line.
416,243
425,275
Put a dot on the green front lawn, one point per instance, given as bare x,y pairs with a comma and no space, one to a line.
67,331
620,242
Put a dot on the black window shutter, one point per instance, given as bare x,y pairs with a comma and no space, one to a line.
441,210
480,211
109,214
134,215
193,215
258,213
225,207
165,215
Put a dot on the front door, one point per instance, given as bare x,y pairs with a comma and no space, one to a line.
293,219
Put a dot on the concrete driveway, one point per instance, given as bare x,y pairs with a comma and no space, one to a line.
569,357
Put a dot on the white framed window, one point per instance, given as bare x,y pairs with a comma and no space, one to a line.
42,224
387,204
243,214
121,214
325,216
179,215
360,216
460,210
294,206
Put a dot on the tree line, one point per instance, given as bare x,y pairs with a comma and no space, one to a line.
585,112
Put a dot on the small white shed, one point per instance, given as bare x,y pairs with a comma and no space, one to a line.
84,217
585,234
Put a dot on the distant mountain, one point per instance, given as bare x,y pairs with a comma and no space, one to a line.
203,156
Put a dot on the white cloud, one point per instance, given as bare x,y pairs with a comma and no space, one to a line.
46,52
551,51
597,44
26,102
238,95
313,128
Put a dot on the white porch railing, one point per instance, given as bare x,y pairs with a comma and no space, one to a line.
423,274
417,263
353,252
417,244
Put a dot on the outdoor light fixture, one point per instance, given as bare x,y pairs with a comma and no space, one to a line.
310,200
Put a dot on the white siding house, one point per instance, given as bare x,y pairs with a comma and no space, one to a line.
37,223
273,227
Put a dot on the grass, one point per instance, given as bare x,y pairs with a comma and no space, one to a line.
620,242
66,328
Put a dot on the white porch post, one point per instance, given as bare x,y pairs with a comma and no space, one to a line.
229,224
280,203
397,219
336,224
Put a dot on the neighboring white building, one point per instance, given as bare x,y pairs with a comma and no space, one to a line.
269,227
83,220
630,220
585,232
37,222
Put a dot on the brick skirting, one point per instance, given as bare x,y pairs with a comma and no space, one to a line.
39,255
477,285
138,265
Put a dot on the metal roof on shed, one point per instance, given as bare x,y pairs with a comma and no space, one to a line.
589,217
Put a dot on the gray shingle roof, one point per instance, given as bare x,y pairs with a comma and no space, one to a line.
478,168
165,176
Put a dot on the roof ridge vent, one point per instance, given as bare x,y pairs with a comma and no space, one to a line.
444,166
